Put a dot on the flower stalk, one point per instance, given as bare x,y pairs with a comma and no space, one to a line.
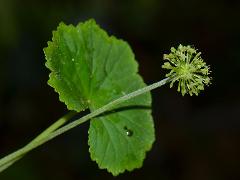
186,67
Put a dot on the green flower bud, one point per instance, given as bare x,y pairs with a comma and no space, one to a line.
188,69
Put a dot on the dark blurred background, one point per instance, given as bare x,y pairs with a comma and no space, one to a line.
197,138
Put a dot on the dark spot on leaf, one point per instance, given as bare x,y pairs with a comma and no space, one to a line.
129,132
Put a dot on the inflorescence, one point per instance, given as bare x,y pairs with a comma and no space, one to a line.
188,69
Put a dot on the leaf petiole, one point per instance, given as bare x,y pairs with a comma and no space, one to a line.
45,133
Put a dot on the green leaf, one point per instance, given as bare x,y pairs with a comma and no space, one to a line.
90,69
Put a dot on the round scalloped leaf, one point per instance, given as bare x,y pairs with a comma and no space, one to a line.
90,69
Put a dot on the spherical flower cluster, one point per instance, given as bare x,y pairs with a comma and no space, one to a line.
188,69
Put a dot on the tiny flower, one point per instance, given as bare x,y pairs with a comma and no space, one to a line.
188,69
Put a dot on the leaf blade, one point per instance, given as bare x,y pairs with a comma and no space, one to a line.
90,69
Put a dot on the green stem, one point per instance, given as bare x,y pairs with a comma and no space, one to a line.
48,136
45,133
